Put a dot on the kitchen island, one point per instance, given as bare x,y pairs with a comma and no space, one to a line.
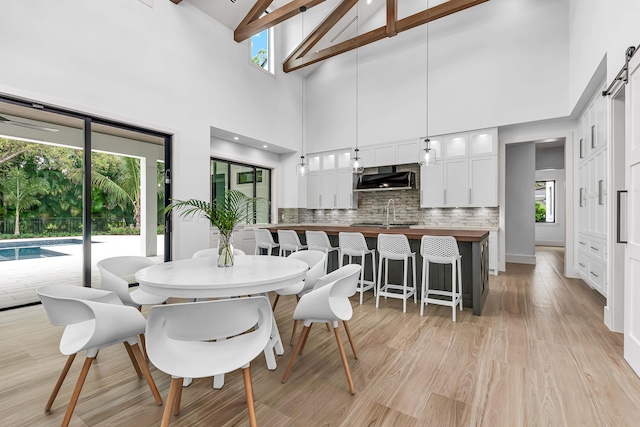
473,246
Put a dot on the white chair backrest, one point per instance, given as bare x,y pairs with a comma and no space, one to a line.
116,273
393,246
352,243
318,240
63,303
213,252
288,239
315,260
264,238
197,323
439,249
349,270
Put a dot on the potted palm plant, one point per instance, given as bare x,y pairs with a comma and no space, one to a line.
225,212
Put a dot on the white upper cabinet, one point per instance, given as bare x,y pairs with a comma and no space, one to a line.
465,173
407,152
330,181
483,142
456,146
483,181
432,185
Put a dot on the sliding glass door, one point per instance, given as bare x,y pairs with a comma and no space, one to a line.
73,190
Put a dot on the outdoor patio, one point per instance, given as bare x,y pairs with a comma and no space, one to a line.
20,278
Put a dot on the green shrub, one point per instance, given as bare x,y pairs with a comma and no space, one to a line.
541,213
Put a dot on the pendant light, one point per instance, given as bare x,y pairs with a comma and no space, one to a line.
301,168
356,161
429,155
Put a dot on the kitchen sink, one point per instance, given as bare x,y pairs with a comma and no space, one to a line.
381,225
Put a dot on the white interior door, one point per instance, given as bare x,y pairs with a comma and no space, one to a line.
632,257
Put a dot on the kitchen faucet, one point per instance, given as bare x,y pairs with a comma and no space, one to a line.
394,211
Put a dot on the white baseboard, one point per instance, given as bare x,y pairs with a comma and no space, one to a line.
559,243
521,259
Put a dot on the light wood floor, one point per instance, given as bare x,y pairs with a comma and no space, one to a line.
540,355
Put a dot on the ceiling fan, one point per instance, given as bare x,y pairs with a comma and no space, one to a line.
27,125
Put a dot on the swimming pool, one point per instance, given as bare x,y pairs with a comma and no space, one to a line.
29,249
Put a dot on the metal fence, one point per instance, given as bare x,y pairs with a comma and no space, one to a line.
55,225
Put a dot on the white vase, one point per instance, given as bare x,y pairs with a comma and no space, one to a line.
225,250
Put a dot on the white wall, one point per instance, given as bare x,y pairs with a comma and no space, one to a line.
520,204
599,28
502,62
553,234
169,67
549,158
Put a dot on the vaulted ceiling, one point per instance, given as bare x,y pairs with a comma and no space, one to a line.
333,35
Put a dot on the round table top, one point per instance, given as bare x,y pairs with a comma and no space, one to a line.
202,278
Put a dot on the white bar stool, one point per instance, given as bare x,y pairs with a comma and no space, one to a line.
289,242
354,244
319,241
441,250
395,247
264,240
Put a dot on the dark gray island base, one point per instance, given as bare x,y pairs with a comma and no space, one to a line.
473,245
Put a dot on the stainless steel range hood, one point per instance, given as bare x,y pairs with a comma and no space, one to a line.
386,180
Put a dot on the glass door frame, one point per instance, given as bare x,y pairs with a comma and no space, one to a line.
86,182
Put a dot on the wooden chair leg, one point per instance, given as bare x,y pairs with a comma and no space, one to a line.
147,374
133,359
343,356
304,342
143,343
328,327
61,378
275,302
303,334
176,402
293,333
77,390
248,389
353,347
176,383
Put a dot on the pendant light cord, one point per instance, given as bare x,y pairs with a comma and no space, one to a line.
357,45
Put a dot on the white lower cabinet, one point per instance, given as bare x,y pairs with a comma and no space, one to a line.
592,264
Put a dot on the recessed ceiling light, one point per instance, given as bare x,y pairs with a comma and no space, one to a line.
368,1
264,146
236,138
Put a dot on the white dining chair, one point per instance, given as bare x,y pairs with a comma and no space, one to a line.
328,302
93,319
316,261
213,252
181,342
117,274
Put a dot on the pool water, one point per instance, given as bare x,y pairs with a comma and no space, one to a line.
26,252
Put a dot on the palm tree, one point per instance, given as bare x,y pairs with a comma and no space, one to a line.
21,191
127,188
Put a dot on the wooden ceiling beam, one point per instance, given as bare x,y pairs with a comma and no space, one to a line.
345,46
420,18
321,30
279,15
436,12
176,1
255,13
392,17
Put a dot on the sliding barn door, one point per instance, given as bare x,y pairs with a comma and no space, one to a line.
632,257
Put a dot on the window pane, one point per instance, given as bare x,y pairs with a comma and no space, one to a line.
260,49
263,187
545,195
219,178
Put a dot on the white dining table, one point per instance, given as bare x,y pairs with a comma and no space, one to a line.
202,278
